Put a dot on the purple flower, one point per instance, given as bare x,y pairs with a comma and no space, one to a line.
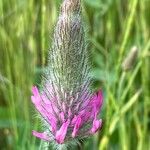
65,121
68,107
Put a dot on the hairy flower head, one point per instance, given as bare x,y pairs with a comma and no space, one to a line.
68,107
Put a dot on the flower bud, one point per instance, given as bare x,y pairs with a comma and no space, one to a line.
130,59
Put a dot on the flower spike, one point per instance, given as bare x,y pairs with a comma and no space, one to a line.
68,108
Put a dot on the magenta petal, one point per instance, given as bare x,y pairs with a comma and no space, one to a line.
61,133
53,122
44,107
37,102
42,136
55,109
86,116
76,127
74,120
96,126
35,91
36,99
100,98
45,99
96,102
82,112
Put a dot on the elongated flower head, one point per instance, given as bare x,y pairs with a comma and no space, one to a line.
68,107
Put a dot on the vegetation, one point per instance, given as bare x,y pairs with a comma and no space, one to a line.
113,27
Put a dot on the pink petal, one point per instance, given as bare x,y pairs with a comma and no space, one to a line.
96,102
53,122
61,133
62,116
45,99
83,112
76,127
55,109
44,107
35,91
86,116
85,103
36,99
42,136
96,126
50,118
37,103
74,120
100,98
47,105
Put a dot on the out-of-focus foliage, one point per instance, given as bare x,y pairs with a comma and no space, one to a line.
113,27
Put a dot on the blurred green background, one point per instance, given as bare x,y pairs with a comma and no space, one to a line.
113,27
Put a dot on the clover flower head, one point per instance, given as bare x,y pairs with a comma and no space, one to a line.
68,107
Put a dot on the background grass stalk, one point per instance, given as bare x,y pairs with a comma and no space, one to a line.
128,29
